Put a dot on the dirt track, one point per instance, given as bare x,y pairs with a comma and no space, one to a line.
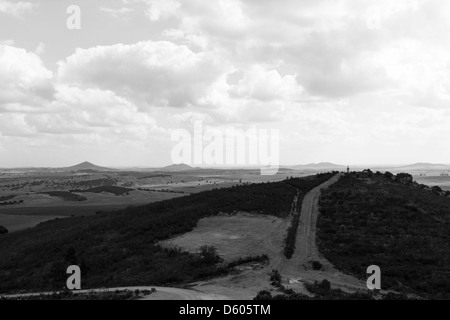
299,267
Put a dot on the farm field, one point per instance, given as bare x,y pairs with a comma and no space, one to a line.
440,181
42,195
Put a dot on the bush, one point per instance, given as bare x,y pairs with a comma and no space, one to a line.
209,254
275,278
263,295
3,230
317,265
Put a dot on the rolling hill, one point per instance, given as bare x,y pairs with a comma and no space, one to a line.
85,166
424,167
319,166
177,167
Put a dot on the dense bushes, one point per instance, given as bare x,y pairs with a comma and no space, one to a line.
118,191
3,230
399,227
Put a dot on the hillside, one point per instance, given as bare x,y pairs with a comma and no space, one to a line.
121,248
403,227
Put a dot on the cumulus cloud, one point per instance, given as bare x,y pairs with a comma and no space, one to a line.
23,78
117,12
17,8
148,73
161,9
266,85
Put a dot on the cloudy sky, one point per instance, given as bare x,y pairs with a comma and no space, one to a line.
345,81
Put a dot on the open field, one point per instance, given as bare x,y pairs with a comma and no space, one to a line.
84,193
440,181
235,236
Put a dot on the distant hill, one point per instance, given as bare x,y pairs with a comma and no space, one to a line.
85,167
318,166
424,167
177,167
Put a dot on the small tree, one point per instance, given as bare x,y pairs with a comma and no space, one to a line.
3,230
317,265
209,254
325,285
388,175
263,295
437,190
275,278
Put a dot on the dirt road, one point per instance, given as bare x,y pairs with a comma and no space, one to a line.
299,268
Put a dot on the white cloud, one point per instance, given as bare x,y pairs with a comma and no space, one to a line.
23,78
161,9
117,12
148,73
40,49
7,42
17,8
266,85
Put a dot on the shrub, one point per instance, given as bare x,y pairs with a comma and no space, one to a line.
317,265
209,254
263,295
3,230
275,278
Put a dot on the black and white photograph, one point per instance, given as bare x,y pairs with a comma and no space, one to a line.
241,152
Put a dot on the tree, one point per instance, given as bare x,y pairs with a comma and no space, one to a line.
437,190
325,285
3,230
388,175
209,254
263,295
317,265
275,277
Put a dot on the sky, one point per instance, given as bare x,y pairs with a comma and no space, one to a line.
349,82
